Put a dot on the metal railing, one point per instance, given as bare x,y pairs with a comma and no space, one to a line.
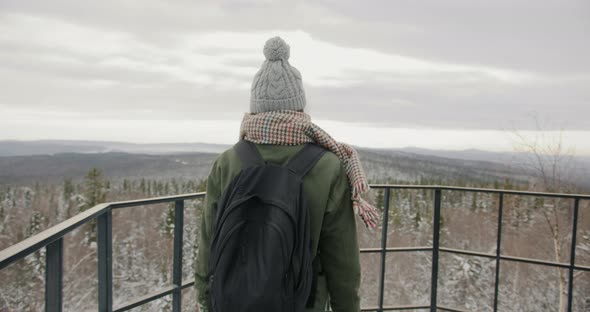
52,240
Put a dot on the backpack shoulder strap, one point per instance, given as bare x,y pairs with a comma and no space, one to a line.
305,159
248,154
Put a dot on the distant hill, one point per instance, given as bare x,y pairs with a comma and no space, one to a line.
26,161
57,167
381,166
578,165
469,154
51,147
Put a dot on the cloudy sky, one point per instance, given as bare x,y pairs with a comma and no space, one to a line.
438,74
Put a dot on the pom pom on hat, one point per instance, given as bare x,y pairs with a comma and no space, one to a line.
276,49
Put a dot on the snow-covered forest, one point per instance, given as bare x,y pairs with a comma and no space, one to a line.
142,238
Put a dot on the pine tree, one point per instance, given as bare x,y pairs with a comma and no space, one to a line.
190,186
95,194
168,225
160,188
155,188
35,223
67,195
94,191
68,189
507,184
202,187
175,186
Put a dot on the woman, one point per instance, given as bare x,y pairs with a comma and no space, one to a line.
279,127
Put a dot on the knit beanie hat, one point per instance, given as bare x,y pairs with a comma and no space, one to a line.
277,85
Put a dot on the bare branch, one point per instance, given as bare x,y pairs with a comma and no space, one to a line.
579,273
548,160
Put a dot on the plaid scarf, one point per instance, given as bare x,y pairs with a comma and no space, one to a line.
294,128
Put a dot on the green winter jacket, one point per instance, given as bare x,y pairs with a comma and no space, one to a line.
333,227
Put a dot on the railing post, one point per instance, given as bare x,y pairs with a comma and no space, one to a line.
570,288
435,249
383,247
54,276
105,262
177,260
498,248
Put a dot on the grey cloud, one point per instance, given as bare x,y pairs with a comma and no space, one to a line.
497,107
545,36
548,39
541,36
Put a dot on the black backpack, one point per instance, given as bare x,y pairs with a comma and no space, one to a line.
260,257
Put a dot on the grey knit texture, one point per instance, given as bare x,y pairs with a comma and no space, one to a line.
277,85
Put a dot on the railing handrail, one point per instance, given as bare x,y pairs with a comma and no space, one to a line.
479,190
52,239
46,237
40,240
